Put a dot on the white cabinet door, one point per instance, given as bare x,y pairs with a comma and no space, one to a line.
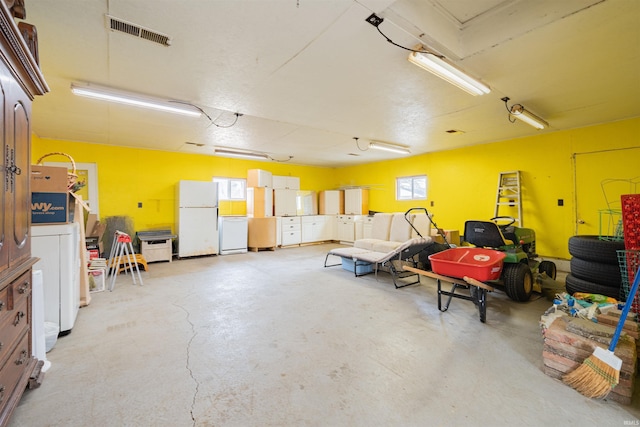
346,228
367,227
307,233
259,178
284,202
331,202
286,182
356,201
328,228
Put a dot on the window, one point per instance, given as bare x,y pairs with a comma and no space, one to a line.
411,188
231,188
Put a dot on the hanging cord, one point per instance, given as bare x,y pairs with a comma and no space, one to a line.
237,115
358,145
510,116
279,161
426,51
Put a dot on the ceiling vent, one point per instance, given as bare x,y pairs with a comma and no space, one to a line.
122,26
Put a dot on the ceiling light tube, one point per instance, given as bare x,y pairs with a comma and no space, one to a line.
449,72
377,145
133,99
519,112
240,154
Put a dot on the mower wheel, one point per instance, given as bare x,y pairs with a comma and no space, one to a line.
591,248
574,284
549,268
518,281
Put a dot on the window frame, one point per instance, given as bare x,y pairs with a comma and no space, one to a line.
227,182
413,179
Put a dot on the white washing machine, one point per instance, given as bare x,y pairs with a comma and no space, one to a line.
58,247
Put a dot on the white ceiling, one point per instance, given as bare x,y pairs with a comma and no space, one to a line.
310,75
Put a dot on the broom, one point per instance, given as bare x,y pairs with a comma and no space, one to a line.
600,372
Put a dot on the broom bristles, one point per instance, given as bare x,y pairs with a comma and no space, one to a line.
594,378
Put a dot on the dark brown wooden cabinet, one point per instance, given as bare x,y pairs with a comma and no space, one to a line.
20,81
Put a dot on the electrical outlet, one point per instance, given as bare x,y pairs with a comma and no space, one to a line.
432,203
560,202
374,20
139,204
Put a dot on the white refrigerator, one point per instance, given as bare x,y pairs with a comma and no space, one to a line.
197,218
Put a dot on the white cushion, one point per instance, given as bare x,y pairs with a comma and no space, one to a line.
366,243
380,226
423,224
400,229
385,246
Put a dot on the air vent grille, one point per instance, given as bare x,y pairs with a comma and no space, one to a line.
120,25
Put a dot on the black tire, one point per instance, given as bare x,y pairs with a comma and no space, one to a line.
591,248
573,285
596,272
518,281
549,268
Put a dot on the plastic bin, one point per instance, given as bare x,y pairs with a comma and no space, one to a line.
359,269
51,331
478,263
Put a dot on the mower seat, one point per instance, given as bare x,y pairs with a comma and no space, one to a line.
485,234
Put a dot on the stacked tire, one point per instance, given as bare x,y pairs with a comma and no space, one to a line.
594,266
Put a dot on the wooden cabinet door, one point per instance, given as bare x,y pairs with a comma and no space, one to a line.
7,222
19,195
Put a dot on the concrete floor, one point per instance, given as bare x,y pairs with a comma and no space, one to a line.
276,339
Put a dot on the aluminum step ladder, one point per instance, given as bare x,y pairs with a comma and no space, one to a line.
509,195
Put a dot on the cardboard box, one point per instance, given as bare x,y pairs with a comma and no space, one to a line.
48,179
49,208
94,231
453,236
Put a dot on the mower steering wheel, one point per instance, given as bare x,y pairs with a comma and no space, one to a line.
509,219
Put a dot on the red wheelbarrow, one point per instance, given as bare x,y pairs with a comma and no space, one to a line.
465,268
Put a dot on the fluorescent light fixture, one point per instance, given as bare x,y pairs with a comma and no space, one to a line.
240,154
519,112
133,99
449,72
384,146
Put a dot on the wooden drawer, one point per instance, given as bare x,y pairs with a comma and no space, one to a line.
19,290
14,369
13,324
4,302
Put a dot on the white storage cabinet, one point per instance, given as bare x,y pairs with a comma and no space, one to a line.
346,228
331,202
291,230
259,178
317,228
286,182
284,202
58,247
356,201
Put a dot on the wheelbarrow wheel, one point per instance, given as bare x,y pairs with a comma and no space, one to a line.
518,281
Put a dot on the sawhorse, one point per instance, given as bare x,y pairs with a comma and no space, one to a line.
122,248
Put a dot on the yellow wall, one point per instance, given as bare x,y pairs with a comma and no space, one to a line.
461,183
